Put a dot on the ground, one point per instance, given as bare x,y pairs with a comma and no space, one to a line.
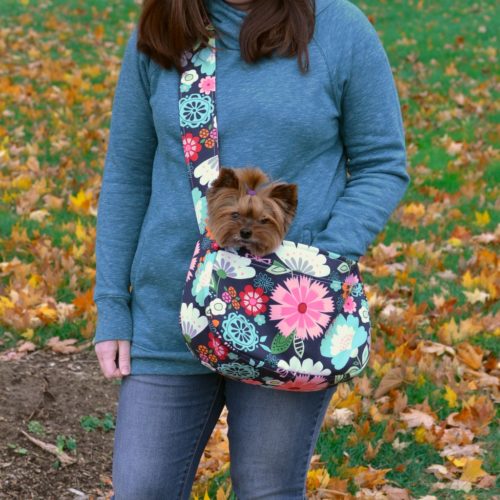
56,391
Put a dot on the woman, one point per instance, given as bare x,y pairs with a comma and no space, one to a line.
305,91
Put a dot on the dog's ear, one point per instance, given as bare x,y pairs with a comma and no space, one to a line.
287,194
227,179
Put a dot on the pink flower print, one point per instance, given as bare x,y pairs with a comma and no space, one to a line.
253,300
226,297
220,350
352,279
350,305
214,134
191,147
194,261
304,383
207,85
302,306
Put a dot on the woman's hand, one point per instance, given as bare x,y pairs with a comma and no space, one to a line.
114,357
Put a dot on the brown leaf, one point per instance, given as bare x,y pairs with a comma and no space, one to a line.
417,418
391,380
64,346
367,477
26,347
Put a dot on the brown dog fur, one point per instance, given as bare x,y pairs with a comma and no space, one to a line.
257,222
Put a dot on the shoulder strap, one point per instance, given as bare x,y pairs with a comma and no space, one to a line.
198,123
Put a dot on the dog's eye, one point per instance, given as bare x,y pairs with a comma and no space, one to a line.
264,220
235,215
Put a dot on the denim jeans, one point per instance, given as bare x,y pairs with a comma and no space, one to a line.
165,421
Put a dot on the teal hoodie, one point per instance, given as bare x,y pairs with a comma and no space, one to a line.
336,132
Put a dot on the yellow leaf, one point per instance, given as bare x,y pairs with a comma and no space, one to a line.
455,242
28,334
35,280
21,182
80,231
482,219
468,281
206,497
420,435
5,303
415,209
450,396
458,462
81,201
472,470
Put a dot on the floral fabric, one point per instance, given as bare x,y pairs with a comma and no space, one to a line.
296,319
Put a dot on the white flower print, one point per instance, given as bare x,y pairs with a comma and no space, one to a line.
207,171
217,307
303,258
191,321
233,265
306,367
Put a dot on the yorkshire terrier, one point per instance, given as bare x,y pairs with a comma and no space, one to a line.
246,210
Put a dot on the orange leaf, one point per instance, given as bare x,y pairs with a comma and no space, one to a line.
470,355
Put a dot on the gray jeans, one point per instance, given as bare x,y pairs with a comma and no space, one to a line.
165,421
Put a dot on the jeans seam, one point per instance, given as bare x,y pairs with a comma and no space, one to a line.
311,447
207,415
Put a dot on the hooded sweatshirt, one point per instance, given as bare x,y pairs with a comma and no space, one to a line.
335,131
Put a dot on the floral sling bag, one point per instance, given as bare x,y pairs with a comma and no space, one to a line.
296,319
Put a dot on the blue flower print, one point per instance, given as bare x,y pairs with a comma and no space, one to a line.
201,283
205,59
201,208
342,340
239,370
237,330
195,110
263,281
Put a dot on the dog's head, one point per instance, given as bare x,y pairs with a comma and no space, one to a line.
245,210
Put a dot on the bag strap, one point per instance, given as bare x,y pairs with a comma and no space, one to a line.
198,122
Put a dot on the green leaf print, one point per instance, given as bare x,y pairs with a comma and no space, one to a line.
281,343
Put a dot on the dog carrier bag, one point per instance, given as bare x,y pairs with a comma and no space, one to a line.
296,319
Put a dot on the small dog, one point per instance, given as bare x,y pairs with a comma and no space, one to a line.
245,210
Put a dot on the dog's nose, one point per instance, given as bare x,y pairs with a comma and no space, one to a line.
245,233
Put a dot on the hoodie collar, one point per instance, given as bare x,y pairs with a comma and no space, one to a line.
227,20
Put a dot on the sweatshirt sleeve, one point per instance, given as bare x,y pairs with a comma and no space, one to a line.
371,130
125,194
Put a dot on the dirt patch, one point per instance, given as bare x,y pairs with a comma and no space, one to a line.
56,391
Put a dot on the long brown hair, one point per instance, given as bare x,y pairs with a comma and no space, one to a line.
169,27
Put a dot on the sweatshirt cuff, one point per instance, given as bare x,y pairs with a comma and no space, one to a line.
114,319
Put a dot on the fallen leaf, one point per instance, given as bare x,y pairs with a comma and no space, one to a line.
63,346
391,380
472,470
450,396
471,355
417,418
477,296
